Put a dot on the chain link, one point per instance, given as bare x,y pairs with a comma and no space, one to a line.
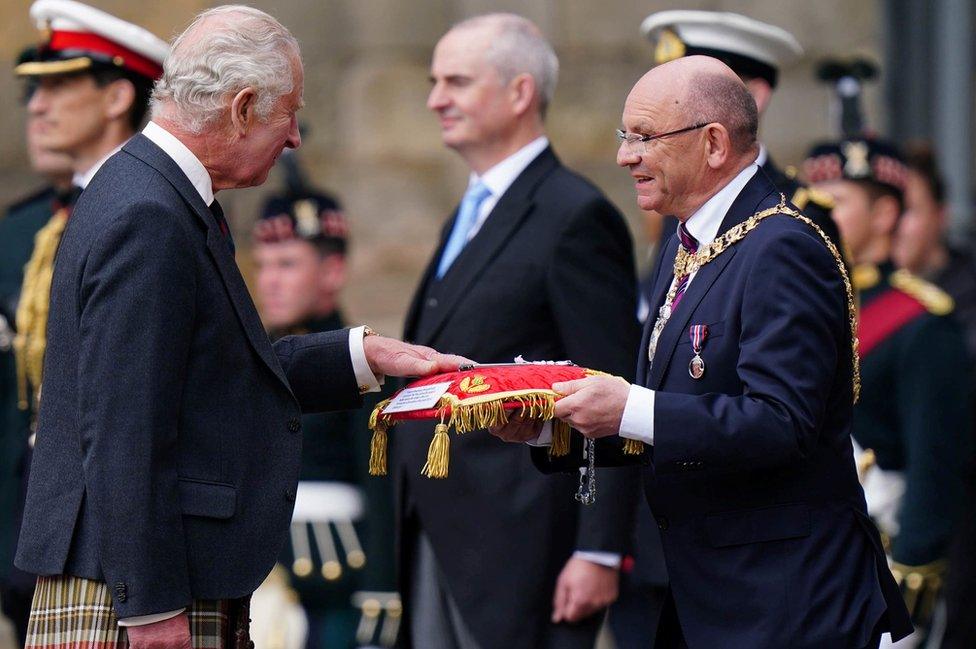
686,263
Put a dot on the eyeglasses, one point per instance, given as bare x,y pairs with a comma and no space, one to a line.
637,143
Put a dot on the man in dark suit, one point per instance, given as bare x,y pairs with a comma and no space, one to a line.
169,438
744,391
755,51
534,262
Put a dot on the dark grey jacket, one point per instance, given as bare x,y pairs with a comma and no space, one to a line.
169,438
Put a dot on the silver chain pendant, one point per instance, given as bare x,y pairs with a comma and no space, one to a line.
586,494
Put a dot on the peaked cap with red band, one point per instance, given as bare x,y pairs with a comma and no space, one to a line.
482,397
79,37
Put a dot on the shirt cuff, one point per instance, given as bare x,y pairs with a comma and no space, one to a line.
545,436
638,419
142,620
606,559
367,381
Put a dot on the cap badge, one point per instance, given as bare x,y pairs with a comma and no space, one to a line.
669,47
857,165
307,219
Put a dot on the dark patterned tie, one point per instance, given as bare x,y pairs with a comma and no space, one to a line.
690,244
218,213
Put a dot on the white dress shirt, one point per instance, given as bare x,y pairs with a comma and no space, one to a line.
638,418
199,177
500,177
763,155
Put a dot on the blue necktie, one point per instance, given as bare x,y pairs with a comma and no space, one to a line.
467,215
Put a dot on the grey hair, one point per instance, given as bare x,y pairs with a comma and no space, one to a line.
204,67
718,98
518,47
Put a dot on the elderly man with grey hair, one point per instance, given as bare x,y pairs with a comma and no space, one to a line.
169,436
535,262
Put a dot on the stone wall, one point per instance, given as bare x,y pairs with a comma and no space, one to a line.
372,141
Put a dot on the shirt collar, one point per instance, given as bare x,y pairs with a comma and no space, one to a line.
188,163
704,223
81,180
763,156
500,177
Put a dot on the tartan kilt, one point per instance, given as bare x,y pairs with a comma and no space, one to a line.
75,613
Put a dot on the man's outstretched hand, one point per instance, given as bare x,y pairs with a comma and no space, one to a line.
391,357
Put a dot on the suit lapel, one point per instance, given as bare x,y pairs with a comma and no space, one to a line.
662,282
745,205
143,148
506,217
416,305
678,323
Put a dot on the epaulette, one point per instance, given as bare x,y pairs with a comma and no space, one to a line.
934,299
865,276
806,195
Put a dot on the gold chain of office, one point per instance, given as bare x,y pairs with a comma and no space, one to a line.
686,263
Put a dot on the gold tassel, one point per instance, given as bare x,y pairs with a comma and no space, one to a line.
32,312
438,455
377,450
633,447
560,439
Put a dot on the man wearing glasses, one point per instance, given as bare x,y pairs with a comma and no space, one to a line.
755,51
743,400
535,262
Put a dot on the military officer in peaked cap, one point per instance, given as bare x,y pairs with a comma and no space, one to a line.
86,92
18,226
90,80
912,424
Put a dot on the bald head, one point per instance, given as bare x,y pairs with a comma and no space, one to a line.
691,128
705,90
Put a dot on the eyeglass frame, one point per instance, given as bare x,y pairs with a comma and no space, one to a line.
634,139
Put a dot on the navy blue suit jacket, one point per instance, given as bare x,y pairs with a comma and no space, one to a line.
751,476
169,438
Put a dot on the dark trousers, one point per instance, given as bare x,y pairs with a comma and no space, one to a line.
670,636
634,617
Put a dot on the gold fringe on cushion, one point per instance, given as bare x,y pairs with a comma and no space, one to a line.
32,312
560,439
378,445
377,450
438,455
468,417
633,447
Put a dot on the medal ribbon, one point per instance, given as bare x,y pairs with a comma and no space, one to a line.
698,333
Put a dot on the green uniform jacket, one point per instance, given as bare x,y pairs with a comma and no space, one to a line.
335,447
915,414
17,230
